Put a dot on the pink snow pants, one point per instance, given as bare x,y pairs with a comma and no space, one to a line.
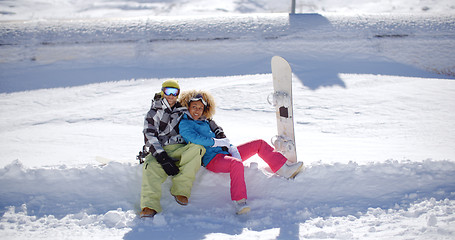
223,163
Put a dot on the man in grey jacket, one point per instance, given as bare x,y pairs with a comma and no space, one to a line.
169,155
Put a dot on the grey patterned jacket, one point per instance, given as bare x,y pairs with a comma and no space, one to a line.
161,125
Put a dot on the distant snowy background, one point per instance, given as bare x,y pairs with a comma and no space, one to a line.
69,9
374,98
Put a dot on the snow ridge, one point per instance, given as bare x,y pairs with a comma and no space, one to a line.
106,197
323,190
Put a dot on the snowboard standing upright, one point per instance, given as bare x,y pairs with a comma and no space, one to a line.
284,142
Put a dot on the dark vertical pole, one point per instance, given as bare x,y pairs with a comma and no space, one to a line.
293,7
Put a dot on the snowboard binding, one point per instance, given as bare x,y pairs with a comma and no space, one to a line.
283,144
142,154
279,99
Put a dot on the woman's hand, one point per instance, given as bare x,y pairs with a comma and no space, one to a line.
222,142
234,152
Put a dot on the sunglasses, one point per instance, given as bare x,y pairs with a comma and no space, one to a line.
168,91
199,98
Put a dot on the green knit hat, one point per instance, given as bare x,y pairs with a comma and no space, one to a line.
171,83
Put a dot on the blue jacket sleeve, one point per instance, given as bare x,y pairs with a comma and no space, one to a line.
189,131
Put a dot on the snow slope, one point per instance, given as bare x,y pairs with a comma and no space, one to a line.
374,115
370,171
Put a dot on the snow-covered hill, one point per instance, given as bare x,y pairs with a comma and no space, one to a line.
374,114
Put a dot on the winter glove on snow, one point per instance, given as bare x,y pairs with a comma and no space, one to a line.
223,142
234,152
167,163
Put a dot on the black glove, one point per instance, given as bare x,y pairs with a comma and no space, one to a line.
167,163
220,135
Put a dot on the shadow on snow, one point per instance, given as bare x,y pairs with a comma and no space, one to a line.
313,47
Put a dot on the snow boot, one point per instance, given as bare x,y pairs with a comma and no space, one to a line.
289,171
182,200
147,213
241,207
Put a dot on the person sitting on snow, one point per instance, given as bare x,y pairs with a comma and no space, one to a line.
168,154
221,156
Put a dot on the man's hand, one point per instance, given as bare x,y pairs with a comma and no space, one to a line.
167,163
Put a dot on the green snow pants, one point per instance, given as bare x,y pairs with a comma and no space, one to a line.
153,175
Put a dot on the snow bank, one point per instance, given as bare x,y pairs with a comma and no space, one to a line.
363,197
61,190
428,219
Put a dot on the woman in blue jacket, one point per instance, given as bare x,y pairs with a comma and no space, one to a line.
197,127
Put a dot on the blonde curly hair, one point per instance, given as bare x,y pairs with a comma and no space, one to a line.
185,97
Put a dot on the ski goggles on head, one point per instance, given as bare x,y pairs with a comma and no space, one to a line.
199,98
168,91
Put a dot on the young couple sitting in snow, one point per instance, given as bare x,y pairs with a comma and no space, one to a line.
180,135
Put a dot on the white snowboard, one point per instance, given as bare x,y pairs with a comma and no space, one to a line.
284,142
